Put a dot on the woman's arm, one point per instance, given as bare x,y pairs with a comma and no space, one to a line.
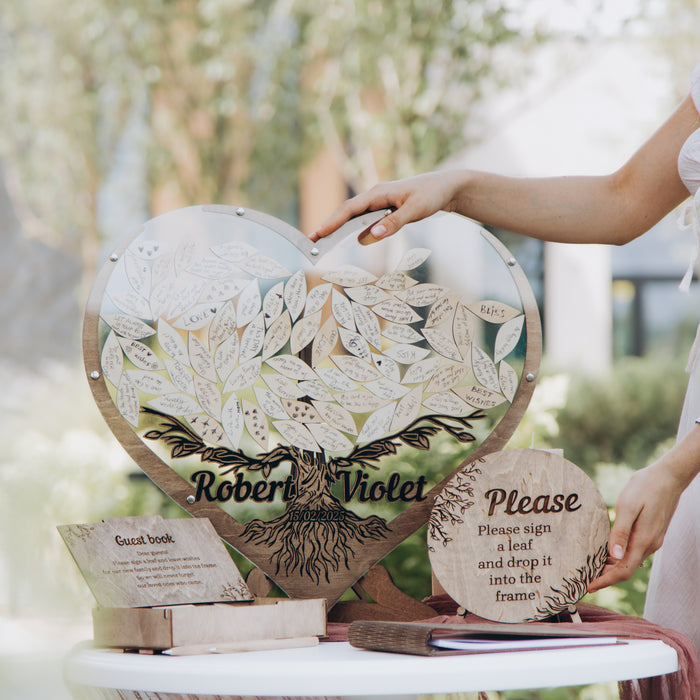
645,507
612,208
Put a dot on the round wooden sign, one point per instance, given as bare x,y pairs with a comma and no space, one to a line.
517,535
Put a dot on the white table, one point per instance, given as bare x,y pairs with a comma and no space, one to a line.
336,668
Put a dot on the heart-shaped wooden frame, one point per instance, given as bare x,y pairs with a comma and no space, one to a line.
349,564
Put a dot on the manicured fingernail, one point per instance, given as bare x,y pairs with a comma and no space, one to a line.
378,230
617,551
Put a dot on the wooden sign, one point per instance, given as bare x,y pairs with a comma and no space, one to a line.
517,535
146,561
268,383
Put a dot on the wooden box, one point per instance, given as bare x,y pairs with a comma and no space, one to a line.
171,626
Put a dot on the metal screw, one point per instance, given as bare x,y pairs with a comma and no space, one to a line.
190,499
114,257
314,251
94,375
240,211
511,262
530,377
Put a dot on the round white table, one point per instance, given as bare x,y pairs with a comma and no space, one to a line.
338,669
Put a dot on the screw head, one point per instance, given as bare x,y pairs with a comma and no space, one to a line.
190,499
512,262
114,257
94,374
240,211
314,251
530,377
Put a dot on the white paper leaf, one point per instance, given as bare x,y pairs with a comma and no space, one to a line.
406,354
395,281
277,335
447,404
223,325
443,310
301,411
387,367
185,255
211,268
342,310
355,368
252,339
172,342
160,298
112,359
396,311
140,355
196,317
273,303
210,430
295,294
304,331
270,403
131,303
325,341
243,376
152,383
256,423
463,329
180,375
401,334
232,420
442,343
249,304
138,272
335,379
507,338
413,258
263,267
128,401
493,311
226,357
479,396
421,371
329,438
222,290
349,276
208,396
368,325
315,389
283,387
129,327
147,249
200,359
359,401
446,378
337,416
367,294
355,344
291,367
184,297
316,298
422,294
484,369
234,251
407,409
508,380
177,404
386,389
377,425
296,434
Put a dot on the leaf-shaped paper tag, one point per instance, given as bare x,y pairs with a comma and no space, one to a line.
129,327
256,424
263,267
329,438
422,294
226,357
396,311
377,424
270,403
140,355
368,325
296,434
292,367
493,311
413,258
208,396
277,335
355,368
484,369
349,276
200,359
507,338
367,294
223,325
273,303
232,420
249,304
150,382
128,401
324,342
421,371
387,367
304,331
446,403
445,378
407,409
177,404
112,359
479,396
342,310
295,294
355,344
316,298
508,379
252,338
335,379
336,415
406,354
243,376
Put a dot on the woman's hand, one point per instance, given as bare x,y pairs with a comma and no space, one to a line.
644,512
412,199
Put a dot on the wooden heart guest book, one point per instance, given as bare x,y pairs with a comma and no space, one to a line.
279,387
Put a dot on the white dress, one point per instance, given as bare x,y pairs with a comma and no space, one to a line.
673,597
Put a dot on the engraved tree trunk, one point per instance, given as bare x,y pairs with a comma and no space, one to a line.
316,534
